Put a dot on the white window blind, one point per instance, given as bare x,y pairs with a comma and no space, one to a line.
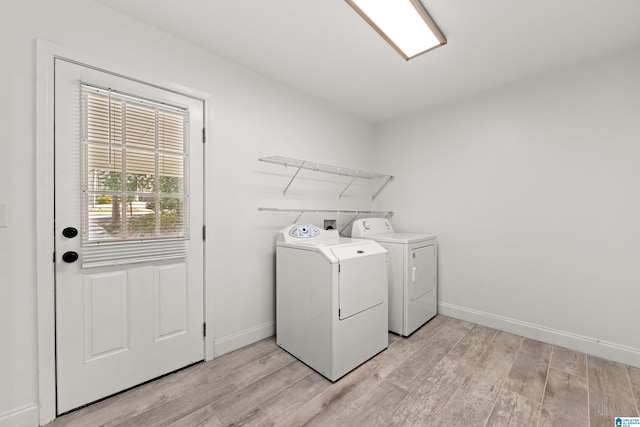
135,195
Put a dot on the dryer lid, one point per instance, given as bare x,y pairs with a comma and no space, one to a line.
403,237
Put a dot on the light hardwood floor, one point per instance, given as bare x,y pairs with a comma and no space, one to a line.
448,373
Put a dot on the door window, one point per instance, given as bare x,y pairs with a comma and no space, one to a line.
135,163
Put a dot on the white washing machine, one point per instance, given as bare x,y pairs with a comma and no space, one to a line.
413,287
331,298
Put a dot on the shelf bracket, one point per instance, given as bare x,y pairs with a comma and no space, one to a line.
384,184
349,223
299,216
347,187
284,193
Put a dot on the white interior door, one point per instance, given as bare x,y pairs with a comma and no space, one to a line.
129,279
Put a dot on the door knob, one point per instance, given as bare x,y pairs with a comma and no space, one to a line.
70,232
70,256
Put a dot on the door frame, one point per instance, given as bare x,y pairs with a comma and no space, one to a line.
46,53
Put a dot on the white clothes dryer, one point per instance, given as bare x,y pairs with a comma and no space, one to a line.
331,298
413,287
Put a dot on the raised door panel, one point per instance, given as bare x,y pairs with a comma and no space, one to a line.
170,297
106,314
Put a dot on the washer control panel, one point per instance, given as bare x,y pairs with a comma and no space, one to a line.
371,226
305,234
304,231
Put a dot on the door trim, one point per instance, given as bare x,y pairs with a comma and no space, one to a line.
46,53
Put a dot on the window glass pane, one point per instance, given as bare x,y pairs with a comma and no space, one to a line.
171,172
171,184
140,218
105,217
171,132
140,126
141,171
103,157
141,183
172,216
98,122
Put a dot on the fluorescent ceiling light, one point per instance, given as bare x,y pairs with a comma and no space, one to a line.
404,24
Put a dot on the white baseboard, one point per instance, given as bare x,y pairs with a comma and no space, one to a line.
606,350
241,339
24,416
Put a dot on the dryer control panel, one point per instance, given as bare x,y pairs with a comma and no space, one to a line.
370,227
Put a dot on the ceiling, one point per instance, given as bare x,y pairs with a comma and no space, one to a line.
323,48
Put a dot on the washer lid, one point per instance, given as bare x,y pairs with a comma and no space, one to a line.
335,250
318,243
362,283
359,249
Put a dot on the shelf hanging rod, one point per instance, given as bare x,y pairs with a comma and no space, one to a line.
334,211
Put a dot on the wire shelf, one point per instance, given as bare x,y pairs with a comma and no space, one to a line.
335,170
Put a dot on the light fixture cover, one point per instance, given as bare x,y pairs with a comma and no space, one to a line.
404,24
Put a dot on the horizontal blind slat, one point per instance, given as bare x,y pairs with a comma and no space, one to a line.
119,253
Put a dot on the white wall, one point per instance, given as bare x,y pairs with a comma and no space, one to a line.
251,117
533,191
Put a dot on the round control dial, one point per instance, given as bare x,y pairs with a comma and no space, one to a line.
303,231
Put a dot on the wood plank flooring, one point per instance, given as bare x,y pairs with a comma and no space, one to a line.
448,373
